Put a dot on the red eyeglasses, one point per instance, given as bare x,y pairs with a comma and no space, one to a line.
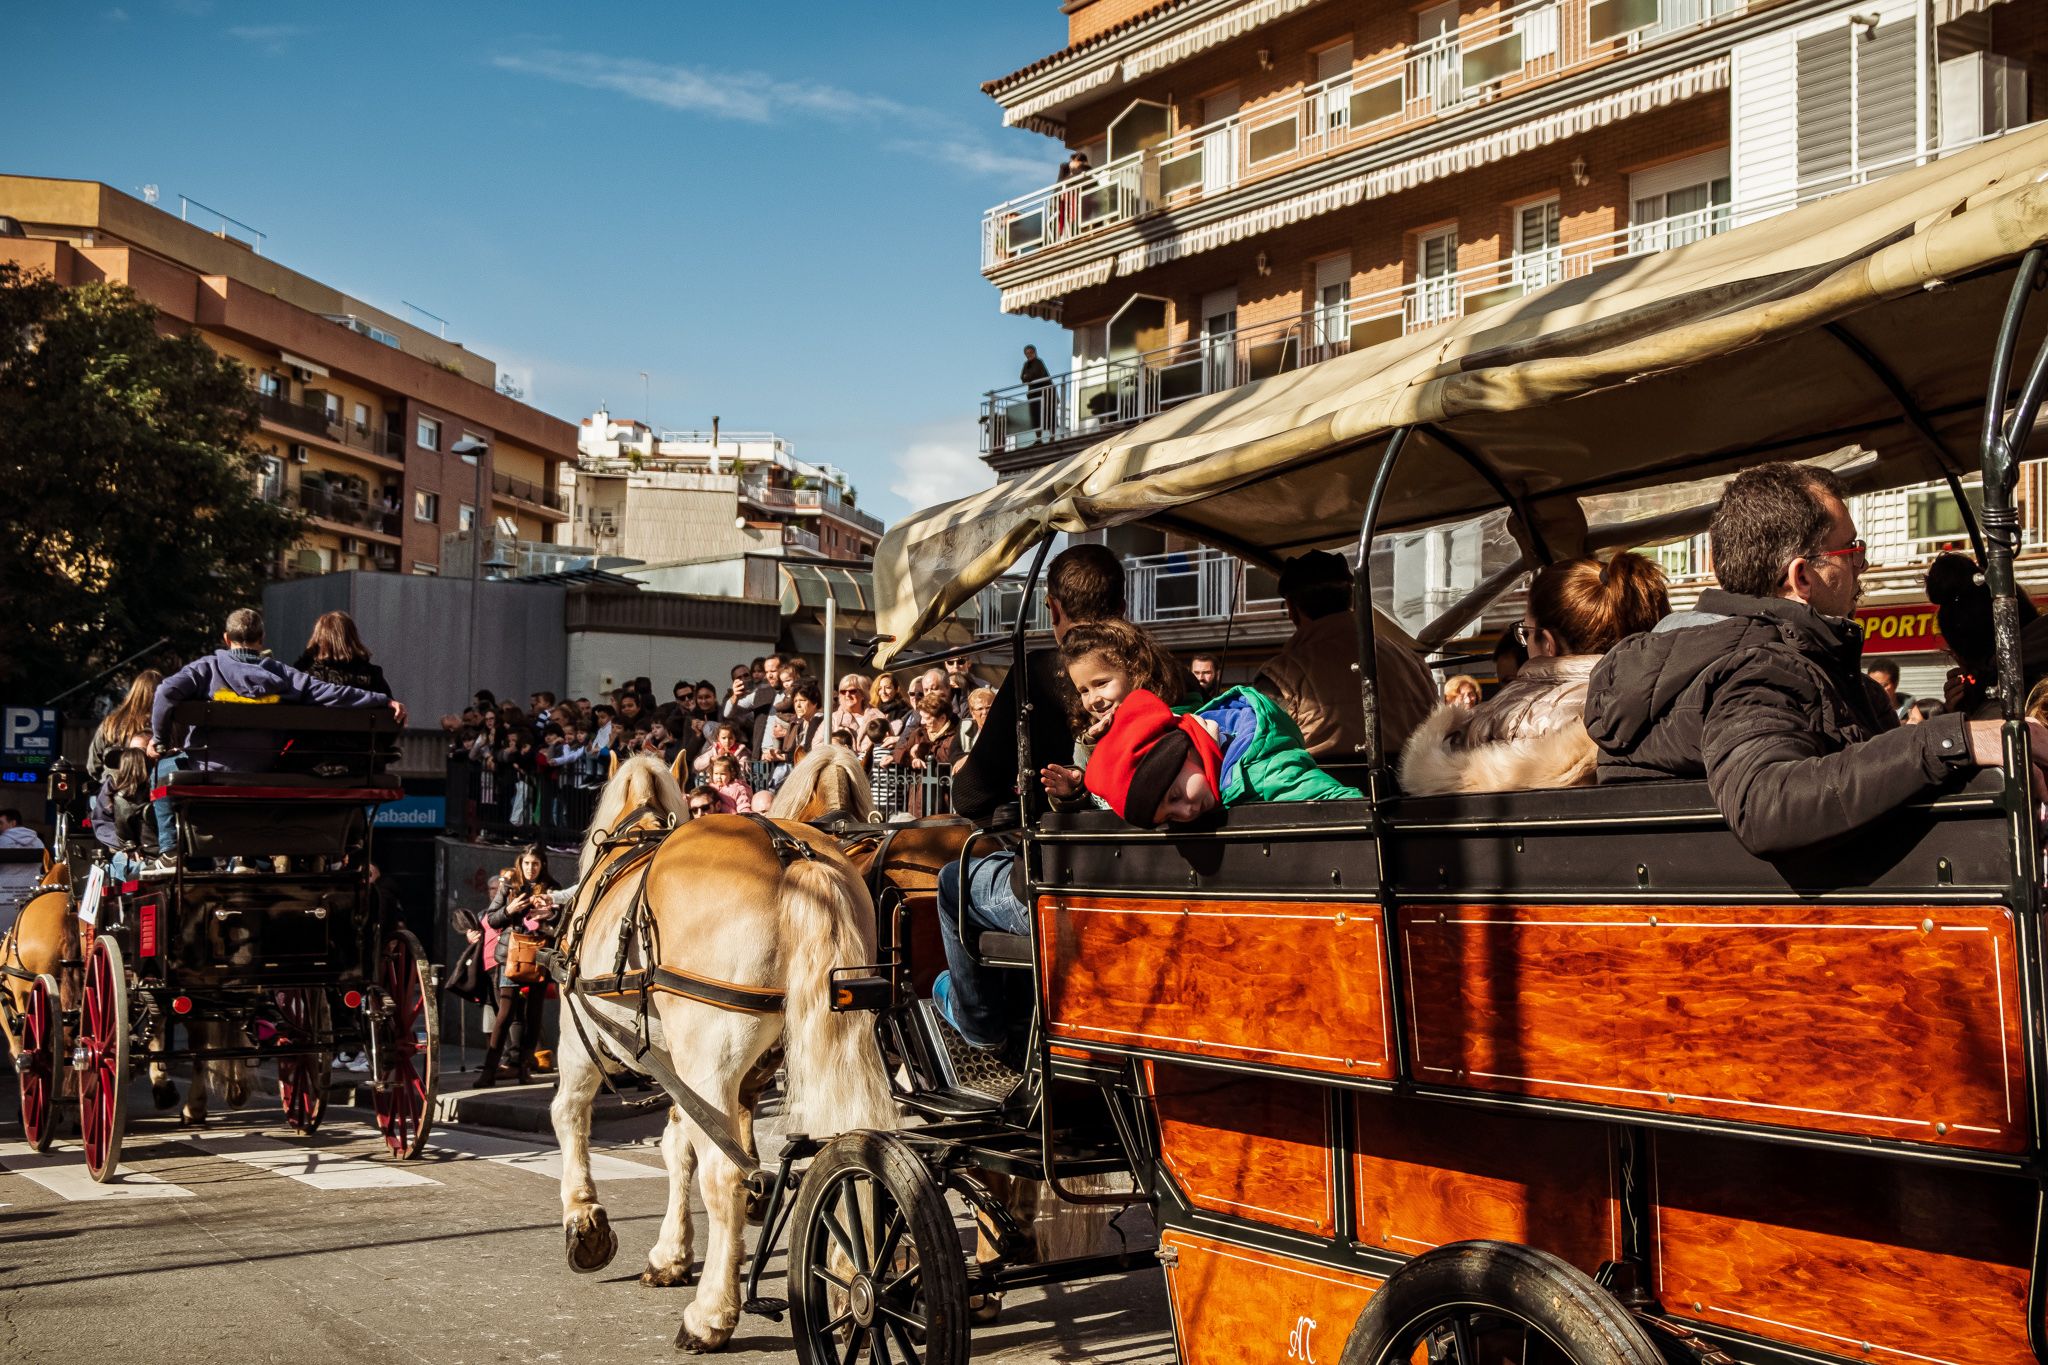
1858,552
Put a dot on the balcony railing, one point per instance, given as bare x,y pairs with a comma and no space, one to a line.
1485,57
510,487
1192,585
346,510
808,500
797,538
317,421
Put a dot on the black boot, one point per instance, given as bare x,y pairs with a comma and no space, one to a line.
488,1077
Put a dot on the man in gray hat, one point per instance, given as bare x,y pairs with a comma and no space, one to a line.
1313,679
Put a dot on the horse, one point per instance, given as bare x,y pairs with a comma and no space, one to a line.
752,914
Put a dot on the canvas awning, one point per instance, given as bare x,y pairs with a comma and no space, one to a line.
1789,338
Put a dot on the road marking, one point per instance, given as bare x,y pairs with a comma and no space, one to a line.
316,1166
62,1172
541,1158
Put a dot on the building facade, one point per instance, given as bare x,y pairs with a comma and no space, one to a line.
359,410
1273,183
702,495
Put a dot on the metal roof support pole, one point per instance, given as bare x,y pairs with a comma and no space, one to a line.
1025,772
1361,608
1917,420
1499,487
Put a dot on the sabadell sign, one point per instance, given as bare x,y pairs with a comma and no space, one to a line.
1901,629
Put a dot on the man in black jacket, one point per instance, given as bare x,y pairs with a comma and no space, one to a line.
1083,583
1760,689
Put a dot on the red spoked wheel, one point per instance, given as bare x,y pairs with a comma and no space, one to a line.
101,1058
304,1021
42,1040
405,1028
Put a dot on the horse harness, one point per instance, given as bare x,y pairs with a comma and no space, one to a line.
640,843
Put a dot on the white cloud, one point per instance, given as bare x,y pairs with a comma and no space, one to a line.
272,38
977,158
930,472
748,96
116,16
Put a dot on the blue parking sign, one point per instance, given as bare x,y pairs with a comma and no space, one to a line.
28,743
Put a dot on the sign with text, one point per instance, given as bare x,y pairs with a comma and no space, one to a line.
1902,629
28,743
412,812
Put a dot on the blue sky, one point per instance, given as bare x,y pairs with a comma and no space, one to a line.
772,209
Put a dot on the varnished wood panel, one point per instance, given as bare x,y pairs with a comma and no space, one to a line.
1233,1305
1296,984
1877,1020
1429,1173
1923,1262
1249,1147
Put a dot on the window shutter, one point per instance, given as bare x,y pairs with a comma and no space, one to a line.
1539,229
1887,97
1826,145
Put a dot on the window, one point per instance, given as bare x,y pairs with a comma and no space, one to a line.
1538,258
1857,99
362,416
270,385
1436,65
429,435
1333,76
1932,513
330,403
426,506
1678,203
465,517
1436,276
1332,303
271,486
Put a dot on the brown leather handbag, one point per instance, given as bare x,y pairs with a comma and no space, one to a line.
522,957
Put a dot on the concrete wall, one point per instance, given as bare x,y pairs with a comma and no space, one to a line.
599,662
418,629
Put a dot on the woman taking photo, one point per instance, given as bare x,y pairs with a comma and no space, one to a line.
522,904
335,653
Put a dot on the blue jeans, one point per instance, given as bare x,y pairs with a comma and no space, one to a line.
991,904
166,836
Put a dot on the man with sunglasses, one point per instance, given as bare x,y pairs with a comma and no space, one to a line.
1760,689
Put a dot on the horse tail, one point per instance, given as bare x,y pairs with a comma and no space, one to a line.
837,1082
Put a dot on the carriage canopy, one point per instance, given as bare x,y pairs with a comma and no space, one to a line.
1862,320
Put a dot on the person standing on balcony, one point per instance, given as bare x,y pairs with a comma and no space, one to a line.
1073,184
1038,391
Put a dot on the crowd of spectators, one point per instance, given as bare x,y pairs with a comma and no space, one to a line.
542,762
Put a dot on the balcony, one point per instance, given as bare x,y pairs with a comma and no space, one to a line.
1486,57
519,490
309,420
802,541
807,500
1162,590
342,509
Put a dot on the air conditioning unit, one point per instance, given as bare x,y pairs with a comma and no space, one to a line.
1982,95
301,454
301,374
351,546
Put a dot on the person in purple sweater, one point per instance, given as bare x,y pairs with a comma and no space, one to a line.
239,672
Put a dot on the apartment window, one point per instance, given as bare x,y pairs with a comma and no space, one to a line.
1333,79
1219,339
1436,62
362,416
1538,257
1436,276
270,385
1932,513
1858,103
271,485
1679,202
1332,303
465,517
426,506
429,434
330,403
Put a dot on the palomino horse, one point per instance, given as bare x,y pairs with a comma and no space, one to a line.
36,945
730,908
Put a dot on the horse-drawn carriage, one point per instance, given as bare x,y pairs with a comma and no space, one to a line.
269,942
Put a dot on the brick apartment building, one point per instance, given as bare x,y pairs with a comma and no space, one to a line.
1275,182
359,409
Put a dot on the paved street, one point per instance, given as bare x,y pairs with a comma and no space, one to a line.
244,1243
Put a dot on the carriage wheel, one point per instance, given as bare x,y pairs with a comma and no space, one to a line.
876,1269
42,1038
1474,1303
302,1079
102,1058
408,1046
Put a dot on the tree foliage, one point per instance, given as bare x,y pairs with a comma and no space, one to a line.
130,508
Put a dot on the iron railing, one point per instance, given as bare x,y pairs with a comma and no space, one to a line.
1483,58
528,492
313,420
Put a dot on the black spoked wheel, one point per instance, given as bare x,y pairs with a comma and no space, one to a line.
876,1271
1495,1303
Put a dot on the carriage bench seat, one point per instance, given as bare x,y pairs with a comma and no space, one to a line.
217,784
1004,950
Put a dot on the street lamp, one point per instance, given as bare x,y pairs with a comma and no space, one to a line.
469,448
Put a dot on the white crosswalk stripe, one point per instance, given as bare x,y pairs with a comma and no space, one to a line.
62,1172
309,1165
313,1162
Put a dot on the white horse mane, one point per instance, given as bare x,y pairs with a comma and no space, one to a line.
802,783
641,780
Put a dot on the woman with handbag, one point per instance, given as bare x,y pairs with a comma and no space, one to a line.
523,910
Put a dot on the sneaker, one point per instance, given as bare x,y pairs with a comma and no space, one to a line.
161,866
942,997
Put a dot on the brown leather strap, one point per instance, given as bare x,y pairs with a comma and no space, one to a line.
725,995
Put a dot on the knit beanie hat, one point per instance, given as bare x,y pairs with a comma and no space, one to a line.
1136,761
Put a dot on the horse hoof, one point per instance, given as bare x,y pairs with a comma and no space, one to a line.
689,1341
591,1241
667,1276
163,1096
984,1308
